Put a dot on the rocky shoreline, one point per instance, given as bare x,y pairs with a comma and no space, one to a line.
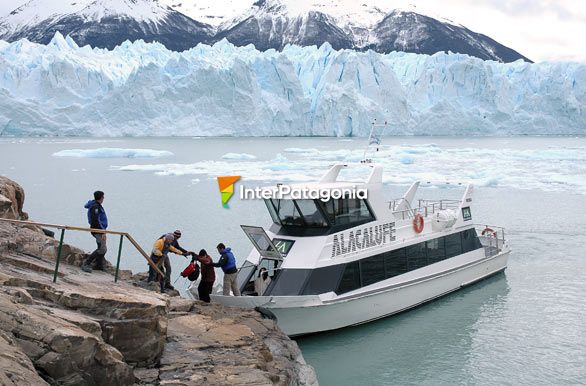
87,330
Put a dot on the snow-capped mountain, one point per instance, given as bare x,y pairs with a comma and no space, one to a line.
265,23
273,24
103,23
412,32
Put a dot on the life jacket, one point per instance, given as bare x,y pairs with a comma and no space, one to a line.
191,272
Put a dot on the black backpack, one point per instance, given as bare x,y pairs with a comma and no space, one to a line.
194,275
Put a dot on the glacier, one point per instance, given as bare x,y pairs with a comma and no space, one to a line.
143,89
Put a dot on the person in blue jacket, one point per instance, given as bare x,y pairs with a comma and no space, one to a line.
228,264
96,217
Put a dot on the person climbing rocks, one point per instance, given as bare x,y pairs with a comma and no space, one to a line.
160,256
167,262
228,264
177,235
208,275
96,216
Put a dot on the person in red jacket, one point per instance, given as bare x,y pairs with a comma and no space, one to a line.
208,276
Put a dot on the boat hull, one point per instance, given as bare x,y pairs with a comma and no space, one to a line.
301,315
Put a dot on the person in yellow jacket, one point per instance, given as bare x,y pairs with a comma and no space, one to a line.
160,256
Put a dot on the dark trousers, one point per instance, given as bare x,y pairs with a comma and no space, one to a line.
153,275
167,264
204,289
98,257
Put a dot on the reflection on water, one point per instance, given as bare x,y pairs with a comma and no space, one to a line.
409,347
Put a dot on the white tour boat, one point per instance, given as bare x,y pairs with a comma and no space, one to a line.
349,261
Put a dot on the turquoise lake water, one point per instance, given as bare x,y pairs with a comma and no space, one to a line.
524,327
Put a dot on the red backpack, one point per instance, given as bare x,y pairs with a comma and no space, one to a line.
191,272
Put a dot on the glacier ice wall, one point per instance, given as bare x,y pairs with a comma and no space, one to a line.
142,89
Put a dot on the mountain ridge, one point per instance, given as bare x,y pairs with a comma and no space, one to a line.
267,24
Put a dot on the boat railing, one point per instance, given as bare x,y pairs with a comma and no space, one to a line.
425,207
491,237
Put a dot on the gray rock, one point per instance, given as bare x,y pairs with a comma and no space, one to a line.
16,369
11,200
63,351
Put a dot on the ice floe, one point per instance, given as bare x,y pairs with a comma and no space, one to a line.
239,156
552,169
111,152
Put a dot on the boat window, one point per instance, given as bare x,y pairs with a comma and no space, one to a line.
288,213
351,278
416,256
323,280
296,213
345,211
395,262
245,273
453,245
272,211
470,240
288,282
270,265
436,250
372,269
311,213
343,278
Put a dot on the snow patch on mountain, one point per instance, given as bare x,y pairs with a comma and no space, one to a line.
38,11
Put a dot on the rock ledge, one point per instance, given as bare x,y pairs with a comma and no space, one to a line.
87,330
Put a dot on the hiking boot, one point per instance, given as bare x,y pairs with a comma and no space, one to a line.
169,286
87,269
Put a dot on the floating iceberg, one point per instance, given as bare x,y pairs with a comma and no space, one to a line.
143,89
108,152
239,156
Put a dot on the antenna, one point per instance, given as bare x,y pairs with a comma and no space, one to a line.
374,139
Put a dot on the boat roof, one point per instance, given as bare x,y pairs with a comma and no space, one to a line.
330,179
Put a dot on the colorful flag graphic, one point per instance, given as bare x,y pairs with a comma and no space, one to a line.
226,184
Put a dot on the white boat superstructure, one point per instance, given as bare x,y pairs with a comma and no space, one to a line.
348,261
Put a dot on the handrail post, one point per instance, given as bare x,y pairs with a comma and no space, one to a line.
58,255
118,260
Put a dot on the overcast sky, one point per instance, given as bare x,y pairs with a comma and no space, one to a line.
539,29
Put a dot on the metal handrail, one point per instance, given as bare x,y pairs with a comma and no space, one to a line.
92,230
426,207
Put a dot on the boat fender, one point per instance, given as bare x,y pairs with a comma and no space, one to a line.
489,231
418,223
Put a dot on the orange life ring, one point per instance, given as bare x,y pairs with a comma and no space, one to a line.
418,223
489,231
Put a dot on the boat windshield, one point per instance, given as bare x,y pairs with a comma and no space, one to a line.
318,217
346,211
296,213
